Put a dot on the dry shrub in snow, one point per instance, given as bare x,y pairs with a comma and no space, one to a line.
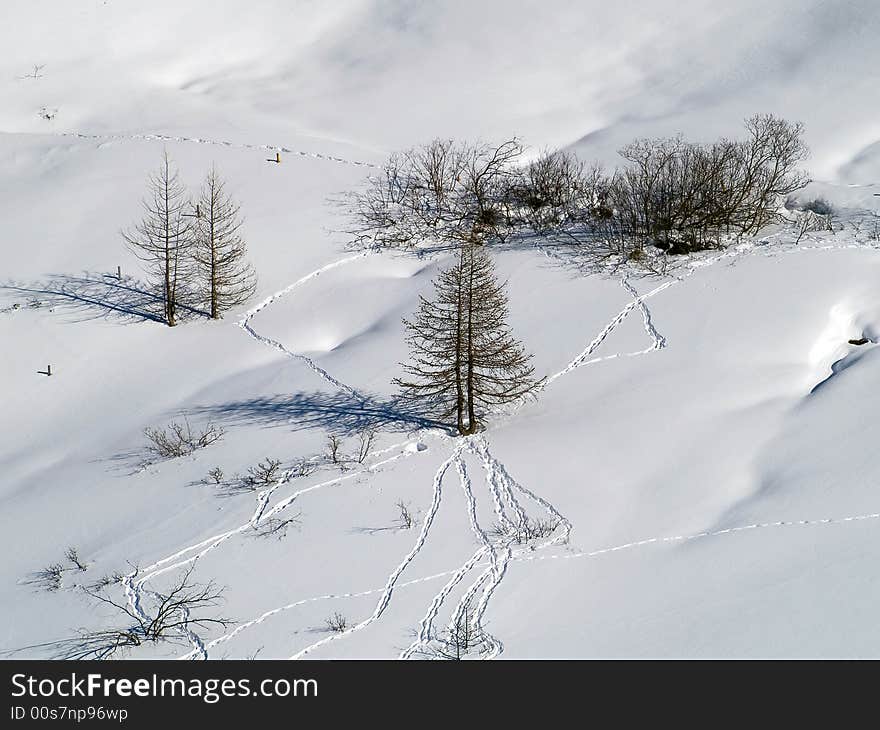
179,439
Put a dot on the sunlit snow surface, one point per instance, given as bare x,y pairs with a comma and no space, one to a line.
706,442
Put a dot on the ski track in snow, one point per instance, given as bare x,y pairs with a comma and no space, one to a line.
155,137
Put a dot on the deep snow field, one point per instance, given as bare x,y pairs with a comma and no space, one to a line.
707,440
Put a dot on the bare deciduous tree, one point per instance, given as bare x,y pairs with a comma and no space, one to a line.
682,196
464,358
163,239
556,190
442,193
220,250
186,606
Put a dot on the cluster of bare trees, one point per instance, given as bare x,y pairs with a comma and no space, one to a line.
682,196
676,195
192,250
671,194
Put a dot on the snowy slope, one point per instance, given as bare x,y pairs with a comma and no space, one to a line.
705,441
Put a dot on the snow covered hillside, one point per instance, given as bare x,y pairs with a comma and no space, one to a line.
705,444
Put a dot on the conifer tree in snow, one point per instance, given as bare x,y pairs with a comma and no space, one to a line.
163,239
465,360
219,251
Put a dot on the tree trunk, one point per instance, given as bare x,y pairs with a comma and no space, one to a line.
459,385
472,418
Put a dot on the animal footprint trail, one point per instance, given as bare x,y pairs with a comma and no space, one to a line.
313,599
425,635
245,322
497,471
500,484
499,551
584,357
211,543
194,552
704,535
390,584
659,341
134,593
156,137
527,555
134,586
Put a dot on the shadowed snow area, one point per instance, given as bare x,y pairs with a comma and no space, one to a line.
703,453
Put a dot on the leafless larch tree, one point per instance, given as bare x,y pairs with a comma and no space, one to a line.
219,252
464,358
163,239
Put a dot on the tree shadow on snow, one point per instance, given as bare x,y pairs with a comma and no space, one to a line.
340,413
95,295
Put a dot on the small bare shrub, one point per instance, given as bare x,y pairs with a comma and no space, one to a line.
365,444
50,577
263,474
185,607
36,72
337,623
176,439
276,527
266,474
303,468
72,556
459,640
405,516
335,454
525,531
105,581
215,476
334,450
